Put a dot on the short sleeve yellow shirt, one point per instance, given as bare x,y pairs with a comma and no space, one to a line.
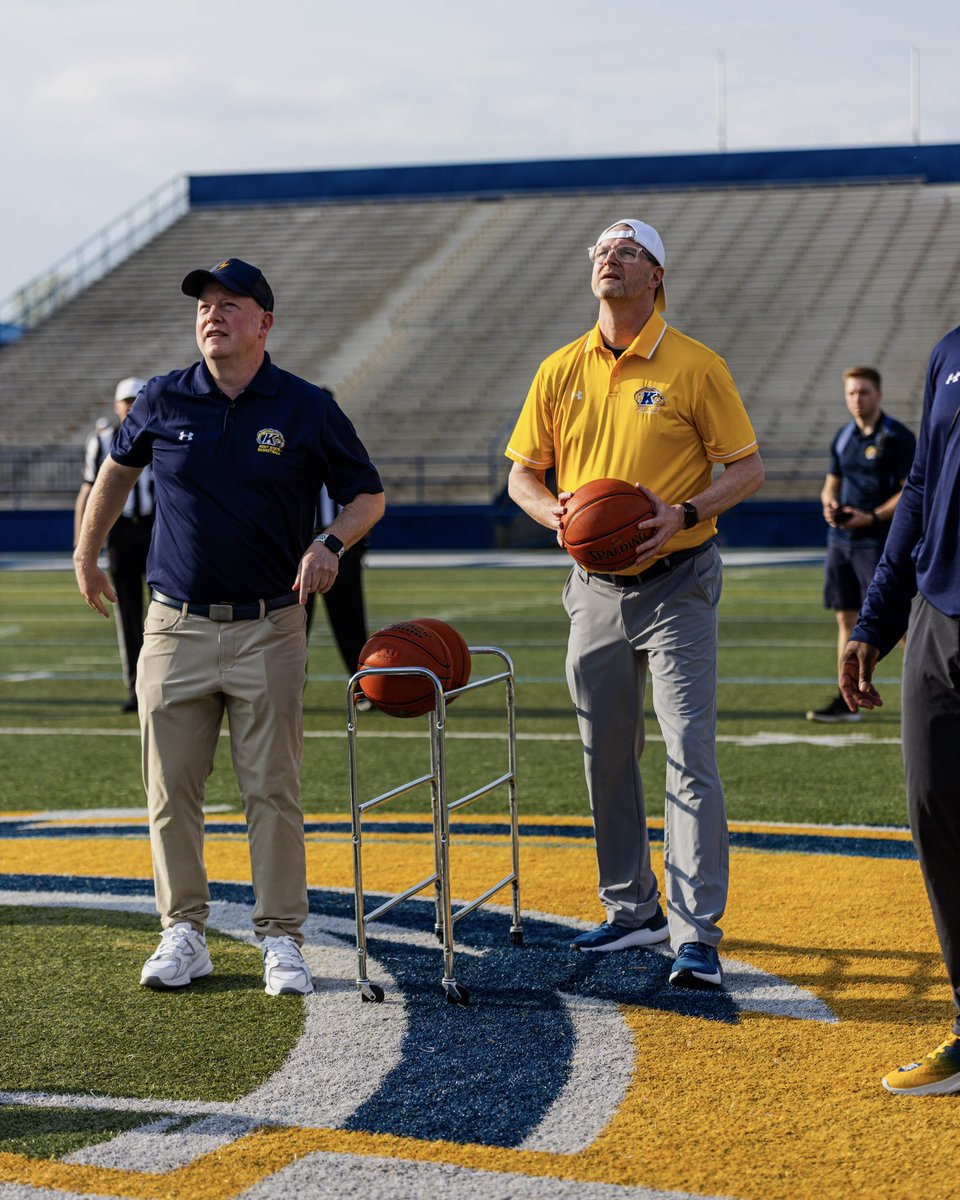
661,415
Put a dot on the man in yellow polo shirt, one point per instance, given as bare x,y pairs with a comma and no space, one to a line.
637,400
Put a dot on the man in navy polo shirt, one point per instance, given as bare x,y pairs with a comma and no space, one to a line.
239,451
918,582
869,460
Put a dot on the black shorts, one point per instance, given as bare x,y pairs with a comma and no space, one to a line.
847,574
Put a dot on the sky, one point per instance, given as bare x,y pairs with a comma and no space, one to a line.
106,101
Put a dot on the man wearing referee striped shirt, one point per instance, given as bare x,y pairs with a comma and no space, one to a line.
127,542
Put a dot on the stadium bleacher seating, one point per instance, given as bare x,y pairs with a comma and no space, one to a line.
428,317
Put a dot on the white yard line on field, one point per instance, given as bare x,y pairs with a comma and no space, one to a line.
760,738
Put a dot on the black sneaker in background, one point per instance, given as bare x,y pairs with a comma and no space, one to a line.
835,713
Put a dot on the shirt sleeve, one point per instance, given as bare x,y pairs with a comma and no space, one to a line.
349,471
91,458
906,447
885,612
834,468
132,443
721,418
531,443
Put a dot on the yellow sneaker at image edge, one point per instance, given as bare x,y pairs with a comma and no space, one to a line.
936,1075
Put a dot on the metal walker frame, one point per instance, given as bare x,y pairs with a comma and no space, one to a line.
441,808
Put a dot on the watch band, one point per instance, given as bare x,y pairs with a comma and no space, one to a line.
331,542
690,515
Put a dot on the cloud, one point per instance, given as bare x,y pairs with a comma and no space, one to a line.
112,100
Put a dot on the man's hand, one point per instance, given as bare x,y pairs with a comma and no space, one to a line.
667,520
857,663
100,512
93,583
317,572
857,518
558,513
845,516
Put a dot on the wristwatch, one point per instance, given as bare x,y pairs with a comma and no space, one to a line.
332,543
690,515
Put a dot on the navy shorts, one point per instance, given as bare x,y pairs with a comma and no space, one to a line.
847,574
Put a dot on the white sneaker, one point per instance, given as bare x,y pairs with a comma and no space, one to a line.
285,973
181,957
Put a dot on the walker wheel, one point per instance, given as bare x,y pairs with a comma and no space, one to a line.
371,993
457,994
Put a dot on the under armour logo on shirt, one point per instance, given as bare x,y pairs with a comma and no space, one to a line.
954,378
184,436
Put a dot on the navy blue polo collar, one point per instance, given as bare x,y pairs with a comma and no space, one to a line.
266,382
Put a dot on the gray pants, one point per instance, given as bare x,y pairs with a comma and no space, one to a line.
931,760
668,626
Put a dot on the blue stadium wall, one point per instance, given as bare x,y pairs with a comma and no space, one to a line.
784,168
787,524
756,523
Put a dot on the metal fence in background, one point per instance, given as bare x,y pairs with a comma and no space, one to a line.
40,476
95,256
49,477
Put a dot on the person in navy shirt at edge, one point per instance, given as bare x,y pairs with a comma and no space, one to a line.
869,461
917,584
240,450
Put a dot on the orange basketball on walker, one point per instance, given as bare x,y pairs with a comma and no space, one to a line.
599,527
406,644
459,653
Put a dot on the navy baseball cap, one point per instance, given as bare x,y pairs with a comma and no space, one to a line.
236,276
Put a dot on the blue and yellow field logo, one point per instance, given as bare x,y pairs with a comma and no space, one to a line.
270,441
569,1075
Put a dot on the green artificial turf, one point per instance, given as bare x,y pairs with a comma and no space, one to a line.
44,1132
85,1025
59,671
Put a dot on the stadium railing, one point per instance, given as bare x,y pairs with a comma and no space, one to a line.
93,258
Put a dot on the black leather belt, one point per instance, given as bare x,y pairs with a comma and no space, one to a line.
663,566
252,610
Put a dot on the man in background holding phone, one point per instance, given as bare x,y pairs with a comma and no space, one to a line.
870,459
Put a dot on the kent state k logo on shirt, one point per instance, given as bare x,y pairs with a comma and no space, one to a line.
270,441
648,399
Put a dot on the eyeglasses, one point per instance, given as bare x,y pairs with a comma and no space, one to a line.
624,254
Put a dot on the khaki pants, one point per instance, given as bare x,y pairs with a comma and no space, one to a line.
193,670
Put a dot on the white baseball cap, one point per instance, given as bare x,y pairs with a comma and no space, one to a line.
646,236
128,388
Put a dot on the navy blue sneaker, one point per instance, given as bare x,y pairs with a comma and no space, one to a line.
697,966
622,937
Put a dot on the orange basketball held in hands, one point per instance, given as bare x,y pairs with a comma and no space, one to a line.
459,654
600,525
406,644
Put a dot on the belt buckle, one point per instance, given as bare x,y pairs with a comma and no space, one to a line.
221,612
